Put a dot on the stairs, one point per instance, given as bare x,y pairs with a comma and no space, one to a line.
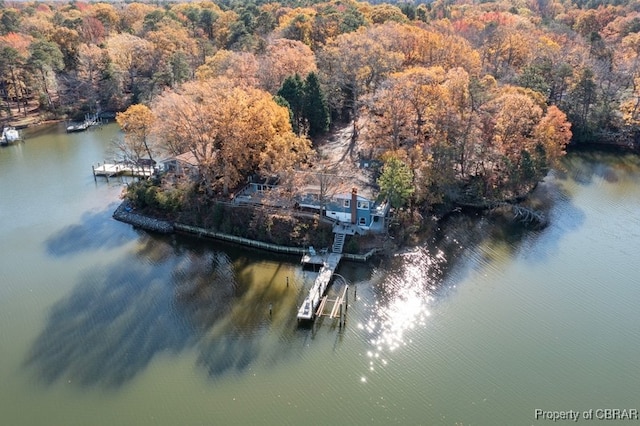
338,242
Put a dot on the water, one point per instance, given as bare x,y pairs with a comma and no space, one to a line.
101,324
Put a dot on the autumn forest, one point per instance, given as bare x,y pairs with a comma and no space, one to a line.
459,101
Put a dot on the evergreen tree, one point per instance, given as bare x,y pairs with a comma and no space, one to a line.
292,91
396,182
315,108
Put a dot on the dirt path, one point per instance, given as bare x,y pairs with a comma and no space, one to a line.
338,153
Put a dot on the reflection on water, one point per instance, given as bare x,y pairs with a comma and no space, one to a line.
111,326
164,298
94,232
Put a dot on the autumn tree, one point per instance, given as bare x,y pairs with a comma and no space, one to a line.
232,132
553,133
130,57
284,58
240,67
579,105
136,123
11,80
355,64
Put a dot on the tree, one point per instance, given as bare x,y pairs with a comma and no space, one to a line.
315,108
582,97
292,91
9,21
239,67
131,58
396,182
355,64
45,57
553,132
11,79
232,132
284,58
136,123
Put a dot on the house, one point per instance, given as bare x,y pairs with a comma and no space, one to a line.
361,210
259,191
183,164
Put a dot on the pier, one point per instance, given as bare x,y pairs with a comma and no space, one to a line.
89,120
111,170
314,304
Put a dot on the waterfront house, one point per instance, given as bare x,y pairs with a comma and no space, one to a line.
184,164
260,191
359,209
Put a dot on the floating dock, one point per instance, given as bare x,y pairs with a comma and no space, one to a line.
310,306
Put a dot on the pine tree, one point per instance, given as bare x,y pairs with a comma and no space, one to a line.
315,108
292,91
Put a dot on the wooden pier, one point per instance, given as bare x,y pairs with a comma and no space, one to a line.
313,305
89,120
111,170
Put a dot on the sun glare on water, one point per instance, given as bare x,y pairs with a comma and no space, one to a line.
401,306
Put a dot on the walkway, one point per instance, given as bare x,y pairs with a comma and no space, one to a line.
309,306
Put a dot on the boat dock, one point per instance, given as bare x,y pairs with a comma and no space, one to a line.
89,120
111,170
314,304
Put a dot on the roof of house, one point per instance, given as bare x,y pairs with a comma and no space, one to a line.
187,158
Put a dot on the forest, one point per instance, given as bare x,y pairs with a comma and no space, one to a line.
459,100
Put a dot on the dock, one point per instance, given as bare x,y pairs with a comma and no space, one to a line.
89,120
310,307
111,170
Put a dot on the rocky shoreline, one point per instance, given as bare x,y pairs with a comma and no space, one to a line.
124,213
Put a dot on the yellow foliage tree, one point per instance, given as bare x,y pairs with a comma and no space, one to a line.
232,132
136,123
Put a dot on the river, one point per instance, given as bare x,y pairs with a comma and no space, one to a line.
102,324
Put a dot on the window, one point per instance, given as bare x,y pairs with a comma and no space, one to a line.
363,205
347,203
363,221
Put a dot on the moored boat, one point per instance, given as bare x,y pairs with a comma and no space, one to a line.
9,135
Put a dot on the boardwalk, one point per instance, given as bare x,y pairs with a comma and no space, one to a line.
310,304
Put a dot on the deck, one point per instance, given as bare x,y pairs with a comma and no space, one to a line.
329,263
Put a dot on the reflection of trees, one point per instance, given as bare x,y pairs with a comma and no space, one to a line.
95,231
165,298
110,327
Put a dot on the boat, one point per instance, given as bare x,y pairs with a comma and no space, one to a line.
89,120
9,135
77,127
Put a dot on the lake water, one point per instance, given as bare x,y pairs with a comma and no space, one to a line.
101,324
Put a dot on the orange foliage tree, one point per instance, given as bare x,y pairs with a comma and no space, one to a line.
232,132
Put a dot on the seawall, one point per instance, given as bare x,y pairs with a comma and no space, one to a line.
124,213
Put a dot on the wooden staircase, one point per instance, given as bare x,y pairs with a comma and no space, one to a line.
338,242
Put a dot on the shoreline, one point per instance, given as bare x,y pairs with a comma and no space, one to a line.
124,213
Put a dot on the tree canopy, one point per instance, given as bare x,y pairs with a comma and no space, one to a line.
476,98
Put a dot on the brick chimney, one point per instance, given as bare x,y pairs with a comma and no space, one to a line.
354,200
